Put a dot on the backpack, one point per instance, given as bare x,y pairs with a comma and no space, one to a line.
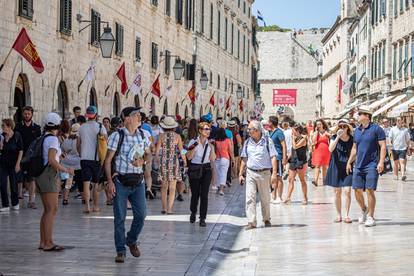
33,160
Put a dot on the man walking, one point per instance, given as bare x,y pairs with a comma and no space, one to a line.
130,150
278,138
29,131
400,140
259,157
87,145
368,152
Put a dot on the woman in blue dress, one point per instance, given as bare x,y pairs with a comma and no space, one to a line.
340,147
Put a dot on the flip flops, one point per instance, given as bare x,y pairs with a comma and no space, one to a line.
56,248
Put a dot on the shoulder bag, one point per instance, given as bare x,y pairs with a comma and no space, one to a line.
195,171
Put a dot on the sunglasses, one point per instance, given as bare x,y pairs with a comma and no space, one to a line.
363,113
207,129
343,126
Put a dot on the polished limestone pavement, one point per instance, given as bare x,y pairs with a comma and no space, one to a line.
302,241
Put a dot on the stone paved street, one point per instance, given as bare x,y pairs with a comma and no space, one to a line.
303,240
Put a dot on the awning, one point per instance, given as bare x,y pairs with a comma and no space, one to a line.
390,104
396,111
378,103
348,108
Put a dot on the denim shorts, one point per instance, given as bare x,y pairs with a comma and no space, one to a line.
365,178
399,155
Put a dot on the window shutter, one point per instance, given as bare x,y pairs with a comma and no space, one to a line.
138,49
29,8
69,15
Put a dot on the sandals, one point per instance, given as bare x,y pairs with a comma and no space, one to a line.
348,220
338,220
315,183
286,201
56,248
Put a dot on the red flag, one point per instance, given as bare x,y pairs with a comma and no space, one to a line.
24,46
228,103
241,105
155,87
340,85
212,99
121,76
191,94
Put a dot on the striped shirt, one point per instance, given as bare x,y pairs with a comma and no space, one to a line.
123,164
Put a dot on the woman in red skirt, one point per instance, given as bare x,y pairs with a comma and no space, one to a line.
321,154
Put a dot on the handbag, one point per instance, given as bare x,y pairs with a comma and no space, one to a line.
131,179
101,146
195,171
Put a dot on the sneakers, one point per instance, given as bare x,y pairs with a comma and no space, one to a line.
363,218
370,222
192,217
221,193
15,208
404,178
4,209
203,223
180,197
278,200
214,188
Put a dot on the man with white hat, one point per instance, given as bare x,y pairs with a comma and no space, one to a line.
368,152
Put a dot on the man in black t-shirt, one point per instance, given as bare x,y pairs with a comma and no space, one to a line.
29,131
76,112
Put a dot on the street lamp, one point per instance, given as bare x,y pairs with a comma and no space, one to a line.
107,41
204,80
178,69
239,92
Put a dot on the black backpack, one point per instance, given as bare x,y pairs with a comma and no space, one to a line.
33,160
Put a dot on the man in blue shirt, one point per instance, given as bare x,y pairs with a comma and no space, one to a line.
368,152
278,138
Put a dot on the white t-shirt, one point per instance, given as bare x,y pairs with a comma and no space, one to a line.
288,140
88,133
199,151
51,142
399,138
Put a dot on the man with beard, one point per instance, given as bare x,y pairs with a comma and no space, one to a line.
29,131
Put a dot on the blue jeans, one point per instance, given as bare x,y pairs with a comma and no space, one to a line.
136,196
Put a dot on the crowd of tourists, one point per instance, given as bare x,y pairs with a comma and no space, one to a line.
134,157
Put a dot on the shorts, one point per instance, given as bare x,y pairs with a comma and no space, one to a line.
64,176
399,155
23,177
90,171
365,178
46,182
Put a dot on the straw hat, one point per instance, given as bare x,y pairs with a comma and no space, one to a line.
168,123
365,109
231,123
75,128
343,122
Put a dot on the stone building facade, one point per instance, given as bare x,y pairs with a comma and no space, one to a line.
286,63
216,36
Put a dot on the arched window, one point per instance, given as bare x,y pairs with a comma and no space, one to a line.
21,96
116,105
136,101
165,109
63,101
186,112
177,109
153,107
93,99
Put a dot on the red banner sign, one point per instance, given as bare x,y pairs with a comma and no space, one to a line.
284,97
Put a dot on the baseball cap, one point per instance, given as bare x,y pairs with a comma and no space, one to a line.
128,111
91,112
52,119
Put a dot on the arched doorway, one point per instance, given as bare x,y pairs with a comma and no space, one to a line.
136,101
63,101
165,109
177,109
152,107
93,99
201,110
116,105
21,96
186,112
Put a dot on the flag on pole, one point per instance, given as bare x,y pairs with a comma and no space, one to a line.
228,103
24,46
241,105
212,100
136,85
260,17
340,85
192,94
90,72
168,91
155,87
121,76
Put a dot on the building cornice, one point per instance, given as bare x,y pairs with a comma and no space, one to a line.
269,81
332,30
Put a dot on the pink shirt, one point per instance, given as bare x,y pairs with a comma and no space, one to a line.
223,149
